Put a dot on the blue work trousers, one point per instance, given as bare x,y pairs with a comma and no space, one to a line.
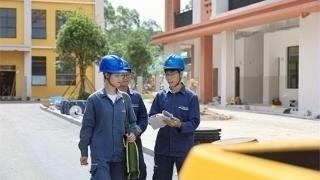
163,166
109,171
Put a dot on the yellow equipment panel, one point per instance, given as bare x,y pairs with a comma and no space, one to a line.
285,160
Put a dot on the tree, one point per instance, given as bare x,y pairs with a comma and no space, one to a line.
129,38
119,23
137,52
82,41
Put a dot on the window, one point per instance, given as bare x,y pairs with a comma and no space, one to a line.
39,70
293,67
8,23
235,4
61,18
65,72
39,30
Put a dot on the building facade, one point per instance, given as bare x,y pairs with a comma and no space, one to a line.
29,66
258,50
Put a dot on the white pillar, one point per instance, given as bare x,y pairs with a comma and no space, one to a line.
27,76
27,55
27,23
140,84
98,78
309,65
196,63
99,14
227,66
196,12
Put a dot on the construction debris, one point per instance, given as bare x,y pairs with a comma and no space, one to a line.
207,114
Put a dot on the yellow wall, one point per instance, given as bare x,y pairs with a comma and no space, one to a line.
48,44
51,89
18,4
41,47
51,9
16,59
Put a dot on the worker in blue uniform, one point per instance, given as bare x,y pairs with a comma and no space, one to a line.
103,124
176,138
140,112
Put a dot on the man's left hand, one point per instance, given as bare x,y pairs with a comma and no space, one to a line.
131,137
173,122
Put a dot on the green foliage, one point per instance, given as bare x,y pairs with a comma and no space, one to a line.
82,41
129,38
83,95
138,53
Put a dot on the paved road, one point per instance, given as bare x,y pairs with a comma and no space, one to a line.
37,145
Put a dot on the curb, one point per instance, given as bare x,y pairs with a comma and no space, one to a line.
78,123
65,117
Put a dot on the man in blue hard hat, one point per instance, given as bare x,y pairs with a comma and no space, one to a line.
141,114
176,138
103,125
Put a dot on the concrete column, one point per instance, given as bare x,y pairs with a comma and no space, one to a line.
27,76
206,75
309,65
140,84
98,78
27,23
271,71
192,61
99,15
99,12
196,11
197,61
227,66
27,55
171,6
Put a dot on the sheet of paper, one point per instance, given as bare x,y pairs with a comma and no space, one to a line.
156,121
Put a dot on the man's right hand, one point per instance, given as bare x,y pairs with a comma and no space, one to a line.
84,160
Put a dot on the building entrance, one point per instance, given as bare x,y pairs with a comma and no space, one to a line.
7,81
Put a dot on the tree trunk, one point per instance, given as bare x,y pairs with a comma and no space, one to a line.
82,90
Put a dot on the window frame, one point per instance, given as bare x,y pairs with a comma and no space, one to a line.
63,80
292,84
8,23
36,76
61,18
41,27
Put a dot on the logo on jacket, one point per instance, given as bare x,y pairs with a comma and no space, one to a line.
183,108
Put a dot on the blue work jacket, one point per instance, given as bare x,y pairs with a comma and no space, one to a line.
139,109
184,105
103,127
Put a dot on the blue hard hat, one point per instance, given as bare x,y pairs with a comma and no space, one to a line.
174,62
111,64
126,66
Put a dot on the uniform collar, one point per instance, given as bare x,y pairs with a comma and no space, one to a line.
103,93
130,91
182,89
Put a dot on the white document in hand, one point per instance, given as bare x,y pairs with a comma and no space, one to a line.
156,121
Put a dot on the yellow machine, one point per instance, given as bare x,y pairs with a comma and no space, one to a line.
289,160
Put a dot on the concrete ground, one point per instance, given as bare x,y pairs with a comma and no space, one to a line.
262,127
